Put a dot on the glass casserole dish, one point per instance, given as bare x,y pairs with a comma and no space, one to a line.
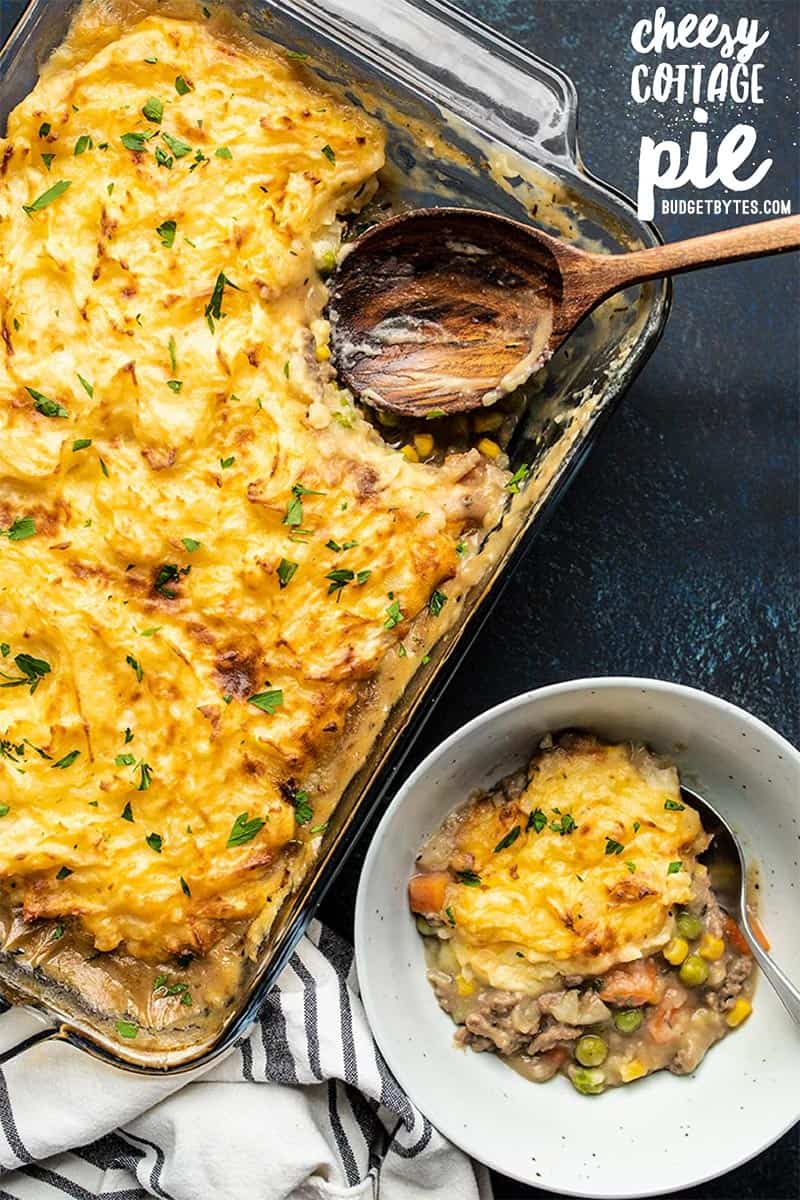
471,120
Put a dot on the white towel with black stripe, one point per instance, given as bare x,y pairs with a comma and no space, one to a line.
303,1109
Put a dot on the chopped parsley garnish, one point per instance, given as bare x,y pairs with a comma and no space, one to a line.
46,406
127,1029
66,761
329,153
468,878
319,828
564,826
128,737
518,478
151,62
47,159
135,665
182,87
674,806
175,385
286,572
173,354
45,129
83,144
190,544
613,847
151,632
124,760
154,110
185,887
461,548
103,466
294,510
179,148
302,808
57,933
166,232
127,812
536,820
450,915
636,827
32,671
225,463
508,840
168,574
268,702
630,865
63,873
4,810
154,842
394,615
145,776
339,579
244,829
433,414
296,54
222,152
19,530
48,197
214,307
674,867
163,159
332,545
87,387
136,141
436,603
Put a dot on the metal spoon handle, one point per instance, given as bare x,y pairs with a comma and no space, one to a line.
787,993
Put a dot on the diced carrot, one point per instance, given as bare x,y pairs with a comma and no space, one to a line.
426,891
734,935
761,937
631,984
660,1023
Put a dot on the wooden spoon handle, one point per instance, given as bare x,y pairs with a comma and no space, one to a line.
610,272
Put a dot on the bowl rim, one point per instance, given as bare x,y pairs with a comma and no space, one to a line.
592,684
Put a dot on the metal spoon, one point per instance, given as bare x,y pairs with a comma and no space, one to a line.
443,310
726,848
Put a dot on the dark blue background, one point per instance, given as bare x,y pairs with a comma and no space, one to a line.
675,554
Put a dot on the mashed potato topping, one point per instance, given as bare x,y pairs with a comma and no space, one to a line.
207,553
579,871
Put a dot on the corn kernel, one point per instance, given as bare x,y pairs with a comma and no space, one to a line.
423,444
676,950
632,1070
486,422
740,1012
464,987
489,448
322,353
409,454
711,947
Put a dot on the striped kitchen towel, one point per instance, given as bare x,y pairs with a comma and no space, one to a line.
304,1108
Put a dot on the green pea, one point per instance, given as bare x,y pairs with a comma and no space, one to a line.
424,928
629,1020
588,1083
591,1051
694,971
689,926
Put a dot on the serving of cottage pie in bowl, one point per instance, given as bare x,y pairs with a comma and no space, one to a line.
538,907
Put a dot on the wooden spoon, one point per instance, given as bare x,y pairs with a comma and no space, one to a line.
443,310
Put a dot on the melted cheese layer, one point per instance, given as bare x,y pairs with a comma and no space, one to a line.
193,478
604,853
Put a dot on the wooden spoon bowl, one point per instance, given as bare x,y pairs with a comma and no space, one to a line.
444,310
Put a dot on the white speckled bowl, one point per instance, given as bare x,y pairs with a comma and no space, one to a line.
665,1132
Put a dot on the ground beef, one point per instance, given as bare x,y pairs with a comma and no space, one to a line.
552,1036
501,1021
738,974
